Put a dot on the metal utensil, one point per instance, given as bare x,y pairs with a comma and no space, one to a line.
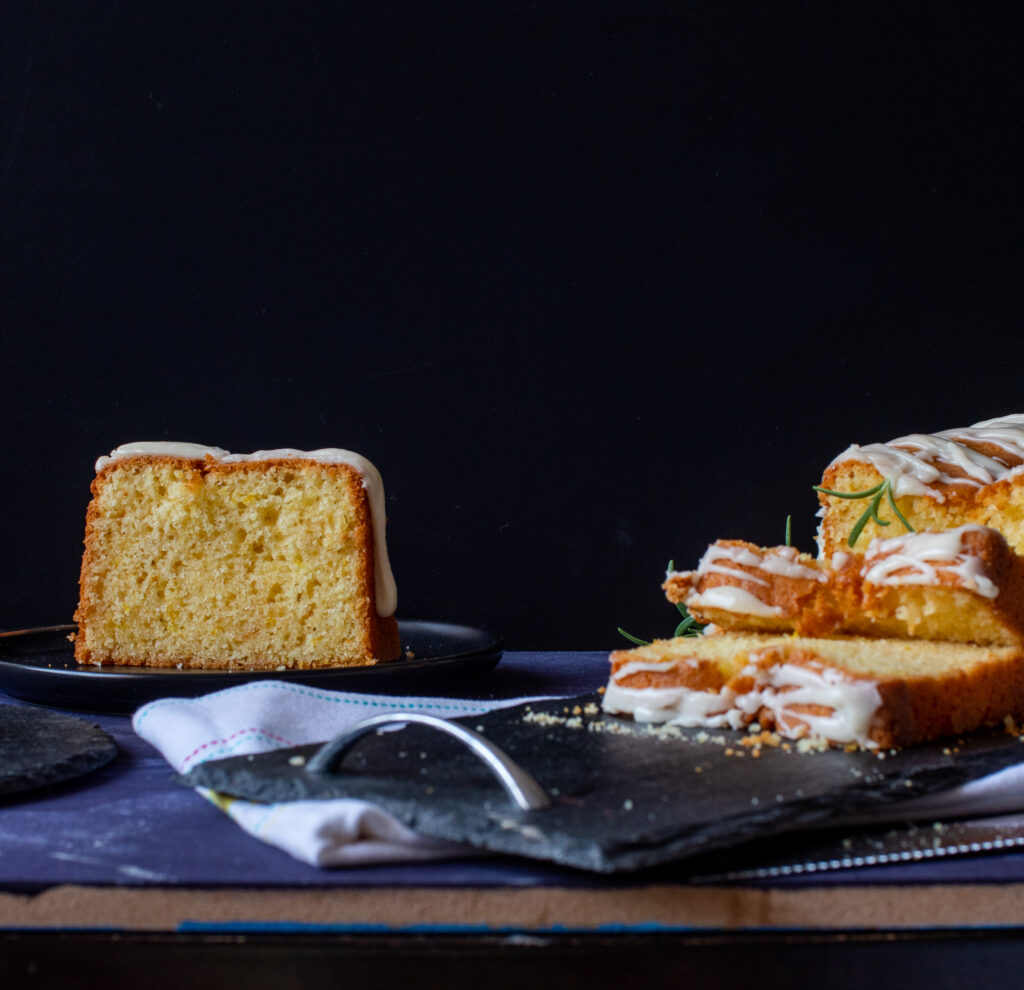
519,785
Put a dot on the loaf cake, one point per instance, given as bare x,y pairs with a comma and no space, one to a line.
960,585
872,693
908,626
198,558
927,481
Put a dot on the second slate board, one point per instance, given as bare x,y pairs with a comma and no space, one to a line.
39,748
625,797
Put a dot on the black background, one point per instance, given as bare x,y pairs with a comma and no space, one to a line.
592,284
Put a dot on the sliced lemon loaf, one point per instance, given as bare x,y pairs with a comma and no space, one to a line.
873,693
195,557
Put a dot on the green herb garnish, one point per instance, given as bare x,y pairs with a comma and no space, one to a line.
689,626
882,490
633,639
789,531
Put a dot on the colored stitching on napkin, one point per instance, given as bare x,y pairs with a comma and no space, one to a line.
258,824
338,699
232,742
245,814
251,816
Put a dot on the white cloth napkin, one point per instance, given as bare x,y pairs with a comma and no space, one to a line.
265,715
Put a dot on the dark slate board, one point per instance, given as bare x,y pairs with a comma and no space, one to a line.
625,797
827,850
40,747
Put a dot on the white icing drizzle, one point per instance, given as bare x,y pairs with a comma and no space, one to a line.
677,705
738,555
776,560
385,590
680,705
161,448
839,560
783,561
647,666
922,555
709,563
910,460
850,703
732,599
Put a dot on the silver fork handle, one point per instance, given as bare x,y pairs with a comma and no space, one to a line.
519,785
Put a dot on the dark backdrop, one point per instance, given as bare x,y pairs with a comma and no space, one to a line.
592,283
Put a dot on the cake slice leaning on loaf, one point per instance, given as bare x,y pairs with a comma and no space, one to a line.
873,693
195,557
960,585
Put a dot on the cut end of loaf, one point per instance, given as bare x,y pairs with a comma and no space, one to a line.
254,565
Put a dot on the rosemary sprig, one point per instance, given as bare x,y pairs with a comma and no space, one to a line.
882,490
632,638
689,626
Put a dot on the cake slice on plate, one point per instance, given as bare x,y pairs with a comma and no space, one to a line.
198,558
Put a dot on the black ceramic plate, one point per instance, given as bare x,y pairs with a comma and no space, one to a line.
38,665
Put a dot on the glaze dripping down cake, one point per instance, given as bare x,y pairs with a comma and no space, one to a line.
195,557
937,481
873,693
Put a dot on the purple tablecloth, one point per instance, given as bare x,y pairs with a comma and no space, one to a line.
128,824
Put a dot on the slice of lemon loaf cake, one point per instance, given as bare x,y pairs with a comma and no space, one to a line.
874,693
739,585
959,585
926,481
195,557
879,641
